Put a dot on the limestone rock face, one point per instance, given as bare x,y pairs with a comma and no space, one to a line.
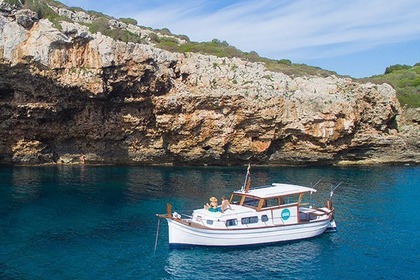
69,93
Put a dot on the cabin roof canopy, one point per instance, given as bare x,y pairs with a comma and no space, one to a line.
276,190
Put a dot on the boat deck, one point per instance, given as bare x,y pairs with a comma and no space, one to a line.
235,210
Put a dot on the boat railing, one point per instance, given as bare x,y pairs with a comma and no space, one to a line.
182,215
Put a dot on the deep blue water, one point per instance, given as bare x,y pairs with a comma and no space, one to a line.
72,222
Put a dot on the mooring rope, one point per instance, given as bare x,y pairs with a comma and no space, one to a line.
157,236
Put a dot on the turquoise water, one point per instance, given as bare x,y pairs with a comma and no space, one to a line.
90,222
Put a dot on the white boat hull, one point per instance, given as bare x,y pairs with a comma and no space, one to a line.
181,234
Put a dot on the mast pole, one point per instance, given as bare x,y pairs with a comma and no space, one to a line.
247,183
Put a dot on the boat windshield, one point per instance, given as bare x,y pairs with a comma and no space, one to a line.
235,199
270,202
245,200
290,199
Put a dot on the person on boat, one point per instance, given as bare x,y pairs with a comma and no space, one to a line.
225,204
212,207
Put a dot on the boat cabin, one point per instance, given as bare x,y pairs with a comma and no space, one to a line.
271,197
276,204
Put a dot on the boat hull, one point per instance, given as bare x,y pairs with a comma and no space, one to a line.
184,235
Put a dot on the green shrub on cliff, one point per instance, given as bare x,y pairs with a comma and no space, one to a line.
42,8
155,38
128,21
406,81
39,6
102,25
396,67
167,43
295,69
15,2
214,47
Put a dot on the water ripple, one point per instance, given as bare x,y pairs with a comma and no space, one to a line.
99,222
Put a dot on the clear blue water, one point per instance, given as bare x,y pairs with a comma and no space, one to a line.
90,222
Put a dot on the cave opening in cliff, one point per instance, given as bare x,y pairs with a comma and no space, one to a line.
392,123
6,94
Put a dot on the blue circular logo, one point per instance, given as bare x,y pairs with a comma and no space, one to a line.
285,214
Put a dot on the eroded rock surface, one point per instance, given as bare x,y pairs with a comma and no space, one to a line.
69,93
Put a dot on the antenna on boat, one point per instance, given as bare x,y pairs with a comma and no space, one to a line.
329,202
333,189
319,181
310,194
247,183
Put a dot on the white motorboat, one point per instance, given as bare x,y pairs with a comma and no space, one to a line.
262,215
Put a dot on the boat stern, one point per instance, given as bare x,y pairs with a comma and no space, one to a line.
332,227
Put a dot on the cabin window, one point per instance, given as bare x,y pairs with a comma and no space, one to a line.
209,222
231,222
249,220
264,218
291,199
249,201
305,200
236,199
271,202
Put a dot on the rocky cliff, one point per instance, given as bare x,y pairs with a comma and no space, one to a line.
67,93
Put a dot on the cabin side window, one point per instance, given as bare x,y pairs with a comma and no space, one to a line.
209,222
250,201
271,202
249,220
305,199
231,222
291,199
264,218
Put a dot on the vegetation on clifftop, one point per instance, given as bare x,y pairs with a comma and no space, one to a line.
404,78
164,39
406,81
223,49
102,25
42,8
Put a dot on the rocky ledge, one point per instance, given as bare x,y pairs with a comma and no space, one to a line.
68,94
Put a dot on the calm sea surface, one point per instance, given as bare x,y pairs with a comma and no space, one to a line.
91,222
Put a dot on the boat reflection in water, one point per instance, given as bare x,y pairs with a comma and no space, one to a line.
285,261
